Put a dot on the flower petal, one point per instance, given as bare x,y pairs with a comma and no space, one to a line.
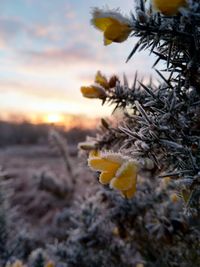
130,192
117,32
94,153
106,177
100,79
102,23
93,91
126,176
129,168
113,81
168,7
103,164
107,42
121,183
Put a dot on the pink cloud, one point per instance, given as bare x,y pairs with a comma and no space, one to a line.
43,91
57,57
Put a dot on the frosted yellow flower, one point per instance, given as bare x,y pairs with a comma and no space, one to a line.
126,179
107,164
118,171
93,91
168,7
116,28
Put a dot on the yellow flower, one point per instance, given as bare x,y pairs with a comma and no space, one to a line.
100,79
98,89
174,198
50,264
115,231
165,182
104,82
93,91
116,28
168,7
126,179
118,171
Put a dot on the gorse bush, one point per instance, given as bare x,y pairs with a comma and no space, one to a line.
160,129
157,140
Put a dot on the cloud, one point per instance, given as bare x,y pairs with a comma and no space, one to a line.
9,29
13,29
41,90
58,56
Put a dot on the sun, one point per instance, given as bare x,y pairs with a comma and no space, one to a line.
53,118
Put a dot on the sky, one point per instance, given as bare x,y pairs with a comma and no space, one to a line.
49,49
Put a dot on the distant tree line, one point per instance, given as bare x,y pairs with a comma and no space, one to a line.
22,133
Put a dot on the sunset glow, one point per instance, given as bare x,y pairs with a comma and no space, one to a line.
54,118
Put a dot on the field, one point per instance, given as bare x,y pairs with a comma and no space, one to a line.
37,186
23,167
